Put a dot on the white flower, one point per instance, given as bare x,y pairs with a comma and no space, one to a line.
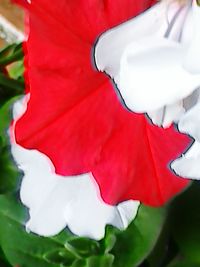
56,202
154,59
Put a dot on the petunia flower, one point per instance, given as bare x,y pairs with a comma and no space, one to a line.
76,127
155,66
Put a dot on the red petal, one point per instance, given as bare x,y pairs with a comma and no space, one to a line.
74,115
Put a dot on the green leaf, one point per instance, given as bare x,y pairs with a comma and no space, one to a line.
138,241
9,174
109,242
185,220
10,87
60,256
5,119
21,248
163,250
17,70
83,247
79,263
5,51
100,261
3,261
181,262
11,54
12,83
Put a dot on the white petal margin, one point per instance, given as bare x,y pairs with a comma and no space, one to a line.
56,202
188,165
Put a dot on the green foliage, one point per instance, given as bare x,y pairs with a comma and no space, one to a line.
102,261
9,175
22,248
3,261
10,54
181,262
29,250
10,88
185,220
138,241
5,119
11,74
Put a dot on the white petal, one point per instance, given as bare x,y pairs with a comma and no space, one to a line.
112,43
187,28
152,76
20,107
187,167
192,59
190,122
56,202
127,211
189,164
191,100
166,116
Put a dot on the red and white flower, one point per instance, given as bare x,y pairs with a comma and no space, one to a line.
82,151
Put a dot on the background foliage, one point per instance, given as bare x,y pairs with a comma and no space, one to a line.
159,237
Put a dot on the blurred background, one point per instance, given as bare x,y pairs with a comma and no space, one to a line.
11,23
